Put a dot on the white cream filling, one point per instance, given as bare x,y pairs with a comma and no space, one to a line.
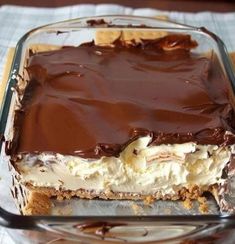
139,168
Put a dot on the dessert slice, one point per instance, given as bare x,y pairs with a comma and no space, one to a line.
130,120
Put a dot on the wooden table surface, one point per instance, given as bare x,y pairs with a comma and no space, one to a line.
178,5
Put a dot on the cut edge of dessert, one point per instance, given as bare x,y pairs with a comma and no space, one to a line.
182,171
140,171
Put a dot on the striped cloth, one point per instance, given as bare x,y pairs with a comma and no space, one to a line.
16,21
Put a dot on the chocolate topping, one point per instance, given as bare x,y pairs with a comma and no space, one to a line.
94,22
98,228
92,100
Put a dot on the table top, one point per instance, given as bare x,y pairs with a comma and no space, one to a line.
177,5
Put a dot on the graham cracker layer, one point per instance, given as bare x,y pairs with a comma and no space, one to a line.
192,193
38,201
37,204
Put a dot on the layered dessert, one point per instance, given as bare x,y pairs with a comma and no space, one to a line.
126,120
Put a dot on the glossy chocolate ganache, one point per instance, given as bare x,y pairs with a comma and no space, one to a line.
92,101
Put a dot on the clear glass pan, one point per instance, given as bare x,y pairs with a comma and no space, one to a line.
97,221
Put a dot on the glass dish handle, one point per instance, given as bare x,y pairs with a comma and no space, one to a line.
132,232
15,221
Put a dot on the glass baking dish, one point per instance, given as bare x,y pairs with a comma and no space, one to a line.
99,221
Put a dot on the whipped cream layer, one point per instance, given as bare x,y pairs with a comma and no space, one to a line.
140,168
